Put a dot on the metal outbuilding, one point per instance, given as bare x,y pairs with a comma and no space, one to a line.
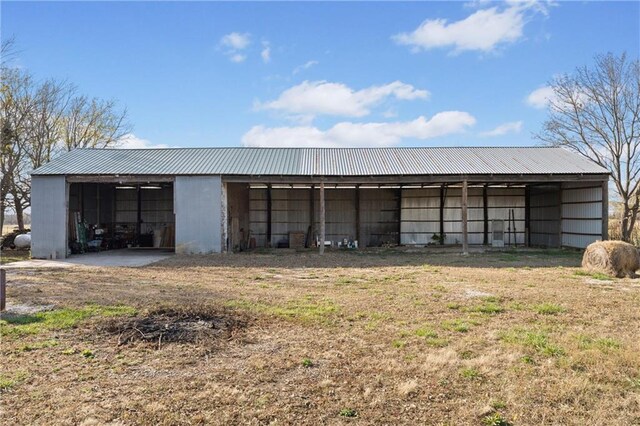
205,200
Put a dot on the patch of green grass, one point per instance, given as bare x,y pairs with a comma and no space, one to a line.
456,325
398,344
509,257
453,306
307,363
548,309
604,344
527,360
634,382
70,351
59,319
8,381
348,412
495,419
534,339
305,310
470,373
88,353
498,404
595,275
426,332
436,342
488,307
345,281
28,347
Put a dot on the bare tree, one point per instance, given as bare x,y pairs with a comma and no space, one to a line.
38,121
596,113
93,123
15,106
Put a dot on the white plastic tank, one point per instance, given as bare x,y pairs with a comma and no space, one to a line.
23,241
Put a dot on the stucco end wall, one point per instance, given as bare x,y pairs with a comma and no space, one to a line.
49,200
198,206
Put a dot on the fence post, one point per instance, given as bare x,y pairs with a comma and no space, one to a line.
3,289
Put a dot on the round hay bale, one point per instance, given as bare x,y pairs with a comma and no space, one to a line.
613,258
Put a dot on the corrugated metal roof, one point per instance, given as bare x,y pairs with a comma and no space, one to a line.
320,161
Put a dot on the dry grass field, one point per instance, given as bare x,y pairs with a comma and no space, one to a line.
387,337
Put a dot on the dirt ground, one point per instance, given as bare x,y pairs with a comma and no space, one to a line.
380,337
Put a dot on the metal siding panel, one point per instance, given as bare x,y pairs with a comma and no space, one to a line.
581,214
49,196
198,203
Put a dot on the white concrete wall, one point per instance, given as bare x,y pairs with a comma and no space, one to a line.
198,207
49,200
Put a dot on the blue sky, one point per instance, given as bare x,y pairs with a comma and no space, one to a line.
320,74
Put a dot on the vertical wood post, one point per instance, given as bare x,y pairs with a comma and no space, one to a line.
3,289
81,201
465,234
400,215
322,213
527,216
605,210
485,215
268,242
312,214
358,230
442,201
139,216
98,205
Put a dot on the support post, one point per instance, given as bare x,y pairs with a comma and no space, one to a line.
358,230
485,215
605,210
139,215
312,214
322,214
400,215
268,242
465,234
442,200
98,205
81,201
3,289
527,216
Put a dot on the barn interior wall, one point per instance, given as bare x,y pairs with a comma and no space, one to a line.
291,211
238,214
420,214
581,213
574,222
544,222
379,216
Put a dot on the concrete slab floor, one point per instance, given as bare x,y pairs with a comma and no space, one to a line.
111,258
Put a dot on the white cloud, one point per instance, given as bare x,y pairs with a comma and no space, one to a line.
321,97
304,66
234,44
483,30
266,52
503,129
540,97
236,41
347,134
237,58
131,141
